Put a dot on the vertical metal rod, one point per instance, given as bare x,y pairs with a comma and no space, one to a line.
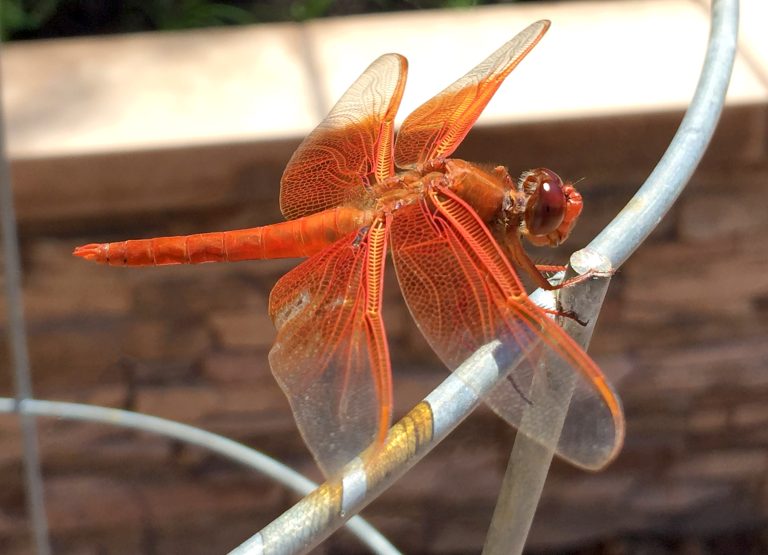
17,341
530,460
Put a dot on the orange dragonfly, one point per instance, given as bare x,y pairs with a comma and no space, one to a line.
350,193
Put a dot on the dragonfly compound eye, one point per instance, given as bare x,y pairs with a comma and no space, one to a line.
546,206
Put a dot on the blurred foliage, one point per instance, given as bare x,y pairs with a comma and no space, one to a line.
17,16
32,19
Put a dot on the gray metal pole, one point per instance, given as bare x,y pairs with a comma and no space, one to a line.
17,341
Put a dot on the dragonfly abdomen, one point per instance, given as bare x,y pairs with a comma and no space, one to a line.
293,239
160,251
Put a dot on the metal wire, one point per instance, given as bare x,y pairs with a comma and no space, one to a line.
17,341
315,517
194,436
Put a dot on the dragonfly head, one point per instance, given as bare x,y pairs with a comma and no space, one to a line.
551,207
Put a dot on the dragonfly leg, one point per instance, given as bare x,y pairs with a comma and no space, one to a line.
582,277
550,268
562,313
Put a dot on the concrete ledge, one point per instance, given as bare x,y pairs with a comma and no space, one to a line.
141,91
265,82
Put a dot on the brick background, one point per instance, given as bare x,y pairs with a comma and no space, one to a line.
682,335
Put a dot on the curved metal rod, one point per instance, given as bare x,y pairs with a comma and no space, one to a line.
529,462
611,248
194,436
316,516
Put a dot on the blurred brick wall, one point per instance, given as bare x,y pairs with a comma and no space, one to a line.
683,335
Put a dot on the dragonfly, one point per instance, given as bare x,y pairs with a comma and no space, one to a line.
353,192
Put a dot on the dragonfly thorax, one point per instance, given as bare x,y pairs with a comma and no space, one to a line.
485,191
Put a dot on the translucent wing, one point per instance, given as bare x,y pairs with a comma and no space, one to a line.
330,356
336,162
463,294
438,126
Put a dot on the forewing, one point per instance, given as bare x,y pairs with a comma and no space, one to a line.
437,127
463,294
351,147
330,356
